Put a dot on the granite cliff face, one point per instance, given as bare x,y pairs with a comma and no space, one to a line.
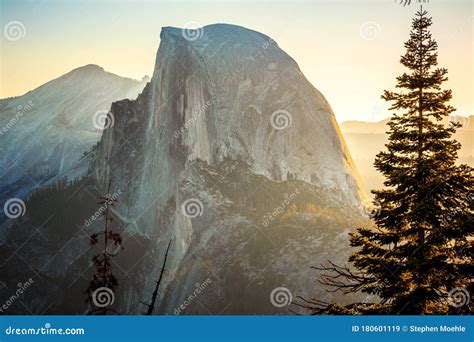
225,94
236,157
230,153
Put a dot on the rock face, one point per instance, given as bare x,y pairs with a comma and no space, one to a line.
45,132
229,152
221,96
236,157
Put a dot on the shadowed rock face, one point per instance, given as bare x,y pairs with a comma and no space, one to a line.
44,132
229,123
230,152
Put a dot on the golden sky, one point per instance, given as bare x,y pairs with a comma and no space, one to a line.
349,49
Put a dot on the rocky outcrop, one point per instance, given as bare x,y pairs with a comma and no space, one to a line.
230,129
230,153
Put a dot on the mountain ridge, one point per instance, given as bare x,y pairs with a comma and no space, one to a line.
366,139
87,69
45,131
230,153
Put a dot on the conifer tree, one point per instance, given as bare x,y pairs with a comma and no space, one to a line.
101,288
419,257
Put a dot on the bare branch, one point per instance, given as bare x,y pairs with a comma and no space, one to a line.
151,306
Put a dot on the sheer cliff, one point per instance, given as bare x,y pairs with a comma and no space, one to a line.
231,127
230,153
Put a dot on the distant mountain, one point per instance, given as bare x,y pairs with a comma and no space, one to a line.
230,153
44,133
366,139
379,127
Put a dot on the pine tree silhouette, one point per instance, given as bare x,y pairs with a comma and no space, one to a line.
101,290
421,250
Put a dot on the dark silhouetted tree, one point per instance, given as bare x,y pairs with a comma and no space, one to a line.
419,257
101,290
408,2
154,295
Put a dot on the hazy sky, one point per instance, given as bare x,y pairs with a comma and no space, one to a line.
348,49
